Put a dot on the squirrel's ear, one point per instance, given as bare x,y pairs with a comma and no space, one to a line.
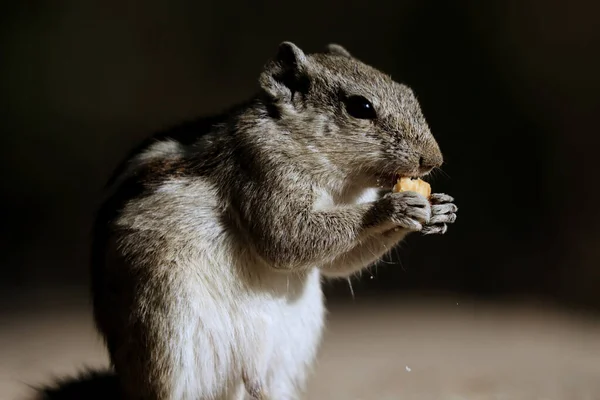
337,50
285,73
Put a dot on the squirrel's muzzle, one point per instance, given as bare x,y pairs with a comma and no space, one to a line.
430,158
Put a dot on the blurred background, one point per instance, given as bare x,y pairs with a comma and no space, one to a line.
510,89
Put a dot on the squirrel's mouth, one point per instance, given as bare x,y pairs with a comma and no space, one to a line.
389,180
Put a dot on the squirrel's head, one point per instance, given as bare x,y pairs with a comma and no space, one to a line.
350,115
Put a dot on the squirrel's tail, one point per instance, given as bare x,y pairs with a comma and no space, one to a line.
89,385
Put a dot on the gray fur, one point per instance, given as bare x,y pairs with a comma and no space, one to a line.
276,182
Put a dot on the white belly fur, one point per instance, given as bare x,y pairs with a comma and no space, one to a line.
248,324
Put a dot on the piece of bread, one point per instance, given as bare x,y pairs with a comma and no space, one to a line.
412,185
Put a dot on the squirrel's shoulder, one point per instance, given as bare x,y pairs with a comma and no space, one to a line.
181,134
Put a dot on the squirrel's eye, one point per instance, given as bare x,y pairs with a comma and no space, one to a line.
359,107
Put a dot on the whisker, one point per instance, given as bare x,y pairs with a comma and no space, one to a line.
351,288
441,171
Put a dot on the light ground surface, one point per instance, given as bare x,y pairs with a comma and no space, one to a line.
405,350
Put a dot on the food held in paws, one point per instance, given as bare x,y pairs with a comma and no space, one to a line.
412,185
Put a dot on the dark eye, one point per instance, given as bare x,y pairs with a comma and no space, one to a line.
359,107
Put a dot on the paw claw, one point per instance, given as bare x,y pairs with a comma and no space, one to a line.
440,198
443,218
438,229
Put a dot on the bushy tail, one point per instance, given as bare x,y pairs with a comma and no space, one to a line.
88,385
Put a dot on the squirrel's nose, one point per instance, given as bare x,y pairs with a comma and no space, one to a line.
426,164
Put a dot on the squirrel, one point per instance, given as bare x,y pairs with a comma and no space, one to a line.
210,250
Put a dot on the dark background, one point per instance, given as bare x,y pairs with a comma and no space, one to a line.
510,89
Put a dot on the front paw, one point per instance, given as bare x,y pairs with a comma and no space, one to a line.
408,210
443,212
